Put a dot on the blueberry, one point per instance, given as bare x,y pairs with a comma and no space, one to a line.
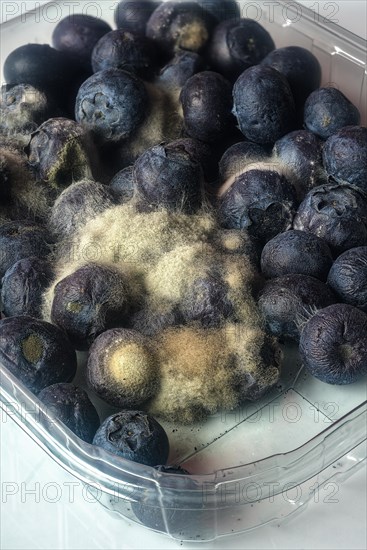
301,153
123,184
21,239
23,108
91,300
36,352
59,152
286,302
133,15
207,301
122,369
348,277
263,104
238,156
77,35
261,201
236,45
345,156
46,69
77,204
153,318
206,103
300,67
333,344
72,406
327,110
123,49
134,435
166,175
179,69
335,213
174,517
180,25
296,252
201,153
23,286
112,104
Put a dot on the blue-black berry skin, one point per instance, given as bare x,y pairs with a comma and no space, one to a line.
296,252
261,201
111,104
327,110
23,286
236,45
77,35
348,277
333,344
345,156
71,405
206,103
134,435
286,302
133,15
337,214
263,104
300,67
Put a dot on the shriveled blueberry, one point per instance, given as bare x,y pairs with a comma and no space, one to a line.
301,152
122,368
327,110
180,25
206,103
123,49
333,344
348,277
238,156
237,44
261,201
122,184
71,405
77,204
36,352
286,302
112,104
178,520
263,104
134,435
166,175
133,15
77,34
337,214
23,286
180,68
207,302
23,108
296,252
91,300
300,67
21,239
345,156
45,68
59,152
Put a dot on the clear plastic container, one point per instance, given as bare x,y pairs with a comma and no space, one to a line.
265,460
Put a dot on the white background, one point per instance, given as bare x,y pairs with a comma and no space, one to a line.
39,509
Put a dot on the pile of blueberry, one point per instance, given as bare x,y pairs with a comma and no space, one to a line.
185,109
